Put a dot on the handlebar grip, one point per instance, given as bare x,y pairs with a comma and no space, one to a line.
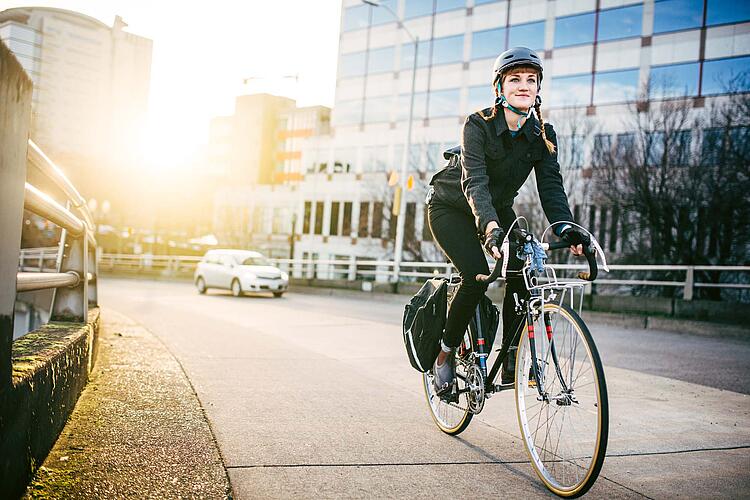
588,252
489,278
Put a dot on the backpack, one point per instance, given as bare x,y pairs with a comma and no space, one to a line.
423,323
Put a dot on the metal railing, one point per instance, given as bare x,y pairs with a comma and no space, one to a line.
382,270
71,268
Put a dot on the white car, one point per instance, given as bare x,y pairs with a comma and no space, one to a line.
239,271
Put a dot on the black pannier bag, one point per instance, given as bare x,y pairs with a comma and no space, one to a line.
489,318
424,320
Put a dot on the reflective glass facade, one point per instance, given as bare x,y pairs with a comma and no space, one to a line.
407,55
381,60
727,11
616,86
417,8
356,17
675,80
674,15
620,23
569,90
529,35
719,76
444,103
352,65
448,50
487,44
574,30
479,98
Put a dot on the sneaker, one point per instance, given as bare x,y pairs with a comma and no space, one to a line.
443,375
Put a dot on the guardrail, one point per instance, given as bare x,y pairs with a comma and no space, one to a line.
71,268
382,270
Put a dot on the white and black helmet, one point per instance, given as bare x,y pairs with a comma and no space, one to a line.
517,56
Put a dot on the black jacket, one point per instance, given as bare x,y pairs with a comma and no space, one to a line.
493,167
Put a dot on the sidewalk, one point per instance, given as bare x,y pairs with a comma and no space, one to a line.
138,429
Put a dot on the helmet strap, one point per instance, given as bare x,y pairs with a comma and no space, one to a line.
502,101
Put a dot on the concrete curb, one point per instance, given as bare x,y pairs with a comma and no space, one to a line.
51,366
138,430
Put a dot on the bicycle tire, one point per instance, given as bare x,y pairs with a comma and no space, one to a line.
567,468
449,417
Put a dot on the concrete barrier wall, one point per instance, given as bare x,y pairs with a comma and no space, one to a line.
51,366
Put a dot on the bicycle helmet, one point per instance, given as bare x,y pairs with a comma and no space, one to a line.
517,56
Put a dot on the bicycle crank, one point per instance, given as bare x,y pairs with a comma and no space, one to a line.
475,386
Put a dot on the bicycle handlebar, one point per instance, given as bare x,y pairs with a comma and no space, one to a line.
520,236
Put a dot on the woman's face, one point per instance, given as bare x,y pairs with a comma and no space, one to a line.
520,88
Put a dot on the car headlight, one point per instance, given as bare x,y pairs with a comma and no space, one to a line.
284,276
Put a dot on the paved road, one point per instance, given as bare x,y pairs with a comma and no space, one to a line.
310,395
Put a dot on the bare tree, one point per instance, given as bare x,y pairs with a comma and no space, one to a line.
680,180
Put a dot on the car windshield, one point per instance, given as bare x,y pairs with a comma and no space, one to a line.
255,261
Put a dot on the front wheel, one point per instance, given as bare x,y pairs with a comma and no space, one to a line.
236,288
565,428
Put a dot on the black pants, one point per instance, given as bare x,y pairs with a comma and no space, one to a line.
456,234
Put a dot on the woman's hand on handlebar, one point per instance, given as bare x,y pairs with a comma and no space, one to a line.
493,239
577,239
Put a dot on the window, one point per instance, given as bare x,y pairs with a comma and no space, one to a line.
334,228
407,55
625,145
445,5
480,97
443,103
654,148
318,217
574,30
348,112
570,90
447,50
378,109
722,145
364,217
420,105
727,11
352,65
720,76
480,2
527,35
675,80
487,44
416,8
602,148
615,86
356,17
380,60
620,23
674,15
306,219
381,15
571,151
377,219
679,150
346,228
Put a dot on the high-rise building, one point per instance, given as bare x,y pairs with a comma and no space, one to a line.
598,55
91,86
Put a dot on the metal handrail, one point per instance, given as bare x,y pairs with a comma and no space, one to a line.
37,158
76,254
353,268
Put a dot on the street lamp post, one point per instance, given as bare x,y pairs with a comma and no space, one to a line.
401,198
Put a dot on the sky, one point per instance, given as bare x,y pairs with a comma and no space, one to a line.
202,51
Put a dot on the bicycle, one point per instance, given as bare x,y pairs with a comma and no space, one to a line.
560,390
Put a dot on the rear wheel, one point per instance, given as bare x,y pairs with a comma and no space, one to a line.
278,294
236,288
452,416
565,429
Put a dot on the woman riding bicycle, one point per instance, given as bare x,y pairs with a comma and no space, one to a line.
473,198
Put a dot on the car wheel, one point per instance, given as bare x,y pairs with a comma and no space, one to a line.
236,288
200,284
278,294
